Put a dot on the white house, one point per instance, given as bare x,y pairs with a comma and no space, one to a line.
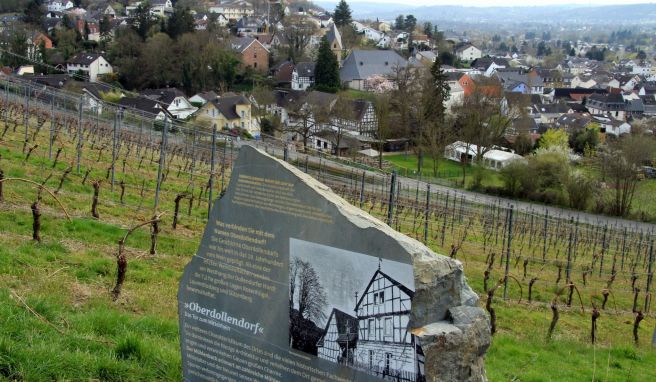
160,7
234,10
494,159
60,5
173,99
372,34
303,76
385,346
468,52
339,339
89,64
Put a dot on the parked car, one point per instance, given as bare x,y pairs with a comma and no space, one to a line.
649,172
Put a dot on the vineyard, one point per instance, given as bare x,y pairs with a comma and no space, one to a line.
101,207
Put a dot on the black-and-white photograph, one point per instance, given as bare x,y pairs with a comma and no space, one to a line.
353,309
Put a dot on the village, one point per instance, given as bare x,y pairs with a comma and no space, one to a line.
321,80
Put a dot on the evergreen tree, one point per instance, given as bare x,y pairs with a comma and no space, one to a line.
435,93
342,15
180,22
399,23
326,71
87,31
34,12
410,23
143,21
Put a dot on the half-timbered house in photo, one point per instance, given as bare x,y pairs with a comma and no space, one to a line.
340,338
385,346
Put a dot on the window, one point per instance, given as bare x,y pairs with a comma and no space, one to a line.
242,114
255,64
371,359
388,326
379,297
372,328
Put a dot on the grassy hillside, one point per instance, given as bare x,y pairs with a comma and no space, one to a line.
59,321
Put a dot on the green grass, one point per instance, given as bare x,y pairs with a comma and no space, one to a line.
83,335
447,170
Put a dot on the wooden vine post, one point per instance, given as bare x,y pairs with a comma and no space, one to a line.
36,213
122,260
94,202
178,198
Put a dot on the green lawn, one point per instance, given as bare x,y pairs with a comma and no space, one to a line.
448,170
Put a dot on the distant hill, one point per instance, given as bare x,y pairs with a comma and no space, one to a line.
578,14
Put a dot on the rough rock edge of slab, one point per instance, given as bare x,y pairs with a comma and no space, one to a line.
445,313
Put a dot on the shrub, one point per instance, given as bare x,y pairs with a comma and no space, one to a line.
580,189
513,175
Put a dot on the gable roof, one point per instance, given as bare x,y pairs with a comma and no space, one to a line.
305,69
84,58
397,284
144,104
362,64
227,105
165,95
347,327
241,43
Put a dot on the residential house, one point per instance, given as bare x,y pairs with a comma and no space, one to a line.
573,122
93,95
282,73
336,143
517,81
174,100
608,104
372,34
109,12
385,346
252,53
467,52
146,105
90,65
361,65
649,103
230,111
202,98
60,5
362,121
34,43
340,338
610,126
426,57
160,8
232,9
303,76
489,64
249,25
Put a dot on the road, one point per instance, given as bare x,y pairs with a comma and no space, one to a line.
469,196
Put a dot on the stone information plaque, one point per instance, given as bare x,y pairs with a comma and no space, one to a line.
291,283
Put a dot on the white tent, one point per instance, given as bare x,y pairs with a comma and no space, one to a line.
369,153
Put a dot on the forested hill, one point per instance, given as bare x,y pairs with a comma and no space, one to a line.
615,14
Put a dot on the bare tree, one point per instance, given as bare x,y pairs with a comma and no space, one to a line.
382,106
482,121
297,32
303,123
341,115
621,163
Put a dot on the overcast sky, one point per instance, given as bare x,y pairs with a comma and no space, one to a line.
484,3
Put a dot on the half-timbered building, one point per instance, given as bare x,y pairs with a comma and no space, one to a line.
385,346
340,338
